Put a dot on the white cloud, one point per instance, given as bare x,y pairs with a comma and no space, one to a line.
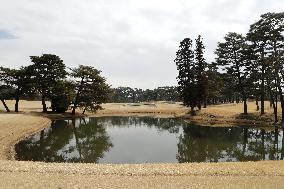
132,41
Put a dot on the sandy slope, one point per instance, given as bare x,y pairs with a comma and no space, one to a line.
268,174
14,127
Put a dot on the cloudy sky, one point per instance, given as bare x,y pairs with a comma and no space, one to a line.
133,42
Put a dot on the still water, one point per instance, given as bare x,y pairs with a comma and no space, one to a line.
146,139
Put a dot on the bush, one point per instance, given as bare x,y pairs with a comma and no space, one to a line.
59,104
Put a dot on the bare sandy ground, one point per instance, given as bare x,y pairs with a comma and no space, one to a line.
14,127
156,108
110,108
204,175
16,174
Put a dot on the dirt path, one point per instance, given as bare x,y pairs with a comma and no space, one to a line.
204,175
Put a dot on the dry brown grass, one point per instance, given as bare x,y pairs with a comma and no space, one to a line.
232,114
191,175
161,108
25,106
221,115
233,110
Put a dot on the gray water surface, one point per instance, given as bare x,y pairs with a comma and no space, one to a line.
147,139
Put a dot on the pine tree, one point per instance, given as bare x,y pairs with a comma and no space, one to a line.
46,71
202,80
187,77
266,39
91,89
231,56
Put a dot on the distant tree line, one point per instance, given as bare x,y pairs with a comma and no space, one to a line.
47,77
134,95
246,67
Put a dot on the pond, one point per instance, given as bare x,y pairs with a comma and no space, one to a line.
148,140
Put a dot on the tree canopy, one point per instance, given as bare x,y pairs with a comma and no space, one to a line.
91,88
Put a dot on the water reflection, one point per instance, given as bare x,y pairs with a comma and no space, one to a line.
146,139
210,144
78,140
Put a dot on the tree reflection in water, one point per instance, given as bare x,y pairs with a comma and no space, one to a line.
67,141
213,144
168,139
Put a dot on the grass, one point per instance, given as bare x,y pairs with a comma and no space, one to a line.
222,114
232,114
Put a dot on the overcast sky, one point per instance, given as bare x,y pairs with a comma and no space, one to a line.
133,42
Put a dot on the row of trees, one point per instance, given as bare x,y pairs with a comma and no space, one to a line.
192,78
249,66
133,95
47,77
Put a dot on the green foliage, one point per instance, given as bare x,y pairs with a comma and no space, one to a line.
193,81
60,103
231,56
187,73
266,42
46,71
19,80
62,95
202,79
91,88
6,92
134,95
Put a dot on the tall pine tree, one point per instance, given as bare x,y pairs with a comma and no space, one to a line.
187,79
202,80
230,55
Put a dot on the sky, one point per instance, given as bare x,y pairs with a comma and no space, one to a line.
133,42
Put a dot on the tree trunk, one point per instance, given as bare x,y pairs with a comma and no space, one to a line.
245,107
192,110
274,108
257,105
262,87
205,103
17,103
199,105
275,113
44,108
5,105
52,105
282,113
74,109
237,100
84,110
77,96
281,101
276,101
